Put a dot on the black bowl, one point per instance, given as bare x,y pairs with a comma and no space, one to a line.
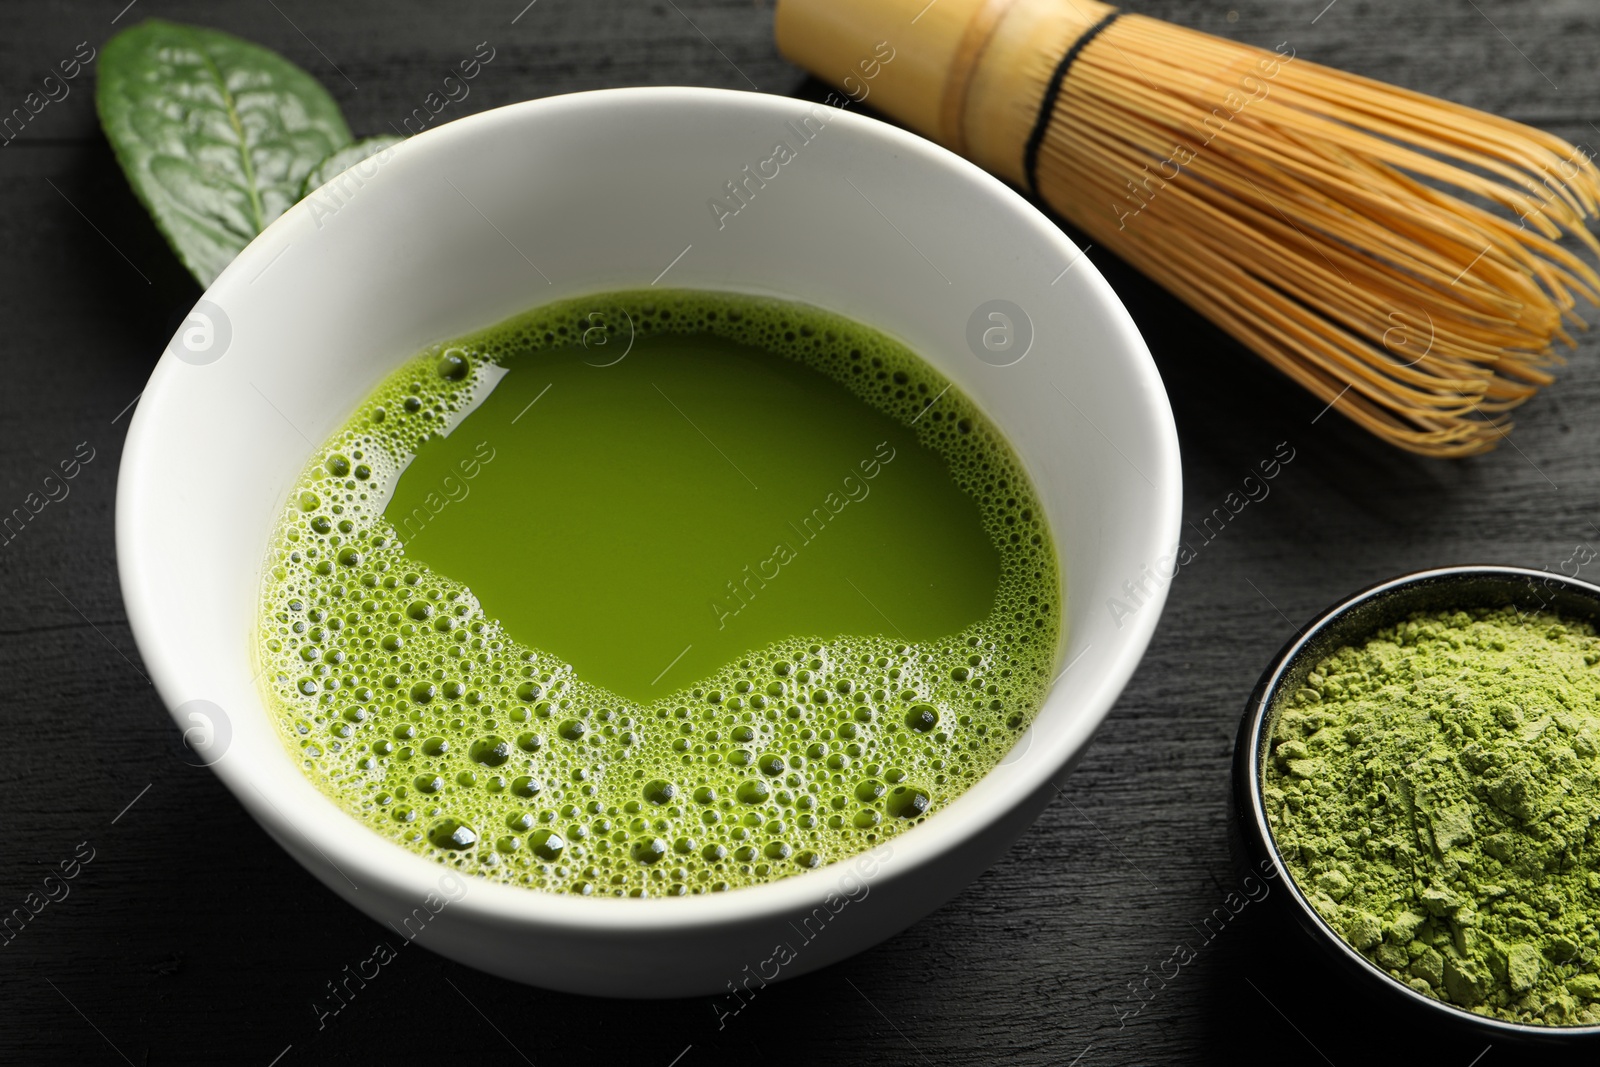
1353,620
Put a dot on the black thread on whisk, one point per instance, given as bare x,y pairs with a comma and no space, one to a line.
1052,92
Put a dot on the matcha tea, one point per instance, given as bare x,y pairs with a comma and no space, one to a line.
1435,791
658,593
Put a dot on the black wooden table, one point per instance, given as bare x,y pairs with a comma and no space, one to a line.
190,938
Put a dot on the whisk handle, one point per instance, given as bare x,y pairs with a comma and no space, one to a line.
978,76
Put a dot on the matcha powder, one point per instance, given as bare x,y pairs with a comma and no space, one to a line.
1436,794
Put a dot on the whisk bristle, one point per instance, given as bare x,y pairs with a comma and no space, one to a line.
1335,225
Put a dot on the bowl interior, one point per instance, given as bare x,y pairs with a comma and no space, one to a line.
1355,620
488,216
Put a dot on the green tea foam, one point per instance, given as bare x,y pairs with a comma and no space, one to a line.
424,717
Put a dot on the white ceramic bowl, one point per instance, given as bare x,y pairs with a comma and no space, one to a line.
467,224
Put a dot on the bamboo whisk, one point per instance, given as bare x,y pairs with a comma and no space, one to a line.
1393,253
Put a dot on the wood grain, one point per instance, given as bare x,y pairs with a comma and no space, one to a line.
191,938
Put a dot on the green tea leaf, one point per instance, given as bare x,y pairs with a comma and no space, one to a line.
344,159
215,134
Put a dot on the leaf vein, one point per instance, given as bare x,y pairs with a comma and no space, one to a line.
251,187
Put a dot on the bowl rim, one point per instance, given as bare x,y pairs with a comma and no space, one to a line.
1248,763
396,872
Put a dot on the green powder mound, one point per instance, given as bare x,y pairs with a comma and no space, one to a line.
1435,792
415,710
